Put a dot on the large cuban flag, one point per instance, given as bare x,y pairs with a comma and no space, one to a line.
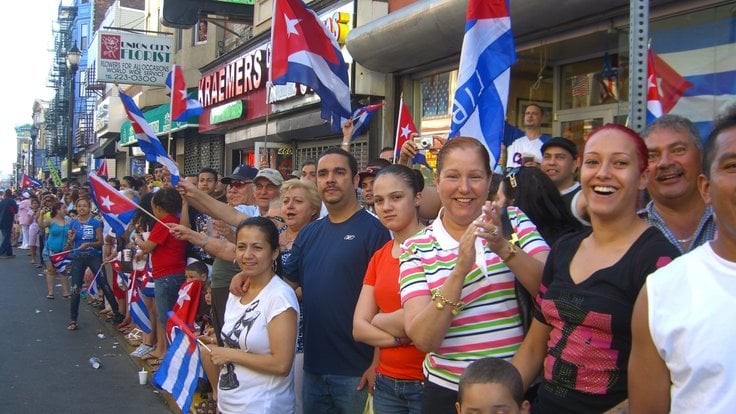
696,67
479,108
147,140
305,52
116,209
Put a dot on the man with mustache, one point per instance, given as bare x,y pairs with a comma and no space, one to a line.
675,162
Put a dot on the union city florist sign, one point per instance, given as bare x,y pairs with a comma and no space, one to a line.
133,58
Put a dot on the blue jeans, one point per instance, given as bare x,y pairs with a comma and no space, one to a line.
392,396
166,293
332,394
5,246
92,260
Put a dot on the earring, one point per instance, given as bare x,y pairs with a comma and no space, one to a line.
275,266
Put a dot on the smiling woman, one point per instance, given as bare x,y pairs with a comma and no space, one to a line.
590,283
457,275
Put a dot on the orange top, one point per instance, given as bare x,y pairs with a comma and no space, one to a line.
398,362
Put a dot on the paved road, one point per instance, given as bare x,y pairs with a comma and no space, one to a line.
44,368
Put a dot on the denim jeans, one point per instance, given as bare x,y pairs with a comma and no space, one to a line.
6,248
393,396
166,293
332,394
92,260
437,399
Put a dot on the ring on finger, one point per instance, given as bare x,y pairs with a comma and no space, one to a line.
494,233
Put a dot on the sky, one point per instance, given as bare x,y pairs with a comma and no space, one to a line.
27,59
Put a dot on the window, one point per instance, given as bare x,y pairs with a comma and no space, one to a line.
200,32
84,36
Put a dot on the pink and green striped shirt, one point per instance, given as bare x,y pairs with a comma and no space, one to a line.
489,324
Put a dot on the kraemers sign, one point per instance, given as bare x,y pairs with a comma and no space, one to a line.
132,58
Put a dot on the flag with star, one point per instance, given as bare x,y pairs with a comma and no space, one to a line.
182,108
116,209
404,129
186,305
654,105
303,51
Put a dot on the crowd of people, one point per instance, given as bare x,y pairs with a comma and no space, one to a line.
527,291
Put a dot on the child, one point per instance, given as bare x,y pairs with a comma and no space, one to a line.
491,385
198,270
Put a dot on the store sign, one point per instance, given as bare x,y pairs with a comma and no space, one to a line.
159,119
227,112
239,77
102,114
132,58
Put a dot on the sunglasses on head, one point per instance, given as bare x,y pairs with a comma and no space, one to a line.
239,183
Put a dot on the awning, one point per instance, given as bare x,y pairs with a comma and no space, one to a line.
105,149
160,120
431,30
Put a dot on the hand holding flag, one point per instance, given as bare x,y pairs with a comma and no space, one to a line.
405,130
362,117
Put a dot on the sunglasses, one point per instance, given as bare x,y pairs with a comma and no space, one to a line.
238,183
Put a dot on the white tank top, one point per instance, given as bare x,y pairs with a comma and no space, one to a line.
692,310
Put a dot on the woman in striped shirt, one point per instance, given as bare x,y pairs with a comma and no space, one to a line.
458,275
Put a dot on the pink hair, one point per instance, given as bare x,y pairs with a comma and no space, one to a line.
642,152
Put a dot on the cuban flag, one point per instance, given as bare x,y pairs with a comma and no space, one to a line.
362,117
186,306
181,368
147,283
92,288
150,145
305,52
654,105
115,208
696,67
138,311
102,169
60,261
479,107
405,128
29,182
182,108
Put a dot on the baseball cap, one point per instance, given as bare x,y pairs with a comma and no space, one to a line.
368,172
271,175
563,143
242,172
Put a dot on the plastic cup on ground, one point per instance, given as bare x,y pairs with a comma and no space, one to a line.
142,377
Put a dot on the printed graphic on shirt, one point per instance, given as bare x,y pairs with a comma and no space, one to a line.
232,339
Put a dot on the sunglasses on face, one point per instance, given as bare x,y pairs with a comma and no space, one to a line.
238,183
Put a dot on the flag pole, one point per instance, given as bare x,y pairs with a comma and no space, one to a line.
269,85
171,113
398,128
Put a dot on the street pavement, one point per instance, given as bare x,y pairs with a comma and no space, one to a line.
45,368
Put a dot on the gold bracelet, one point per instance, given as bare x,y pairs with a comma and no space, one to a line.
456,306
512,252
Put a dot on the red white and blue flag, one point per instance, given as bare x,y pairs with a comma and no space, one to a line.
115,208
654,105
138,311
147,140
182,108
305,52
186,306
362,117
102,169
29,182
60,261
481,97
92,288
405,128
181,368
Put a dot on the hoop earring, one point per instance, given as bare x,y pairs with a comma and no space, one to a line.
275,266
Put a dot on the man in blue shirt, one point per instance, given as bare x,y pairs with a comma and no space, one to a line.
8,210
328,260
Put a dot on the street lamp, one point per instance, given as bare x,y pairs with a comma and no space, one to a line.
72,63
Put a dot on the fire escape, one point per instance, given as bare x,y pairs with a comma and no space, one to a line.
57,120
90,91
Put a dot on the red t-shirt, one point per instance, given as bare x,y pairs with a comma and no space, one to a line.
168,257
399,362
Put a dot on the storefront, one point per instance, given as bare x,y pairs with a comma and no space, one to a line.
573,62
